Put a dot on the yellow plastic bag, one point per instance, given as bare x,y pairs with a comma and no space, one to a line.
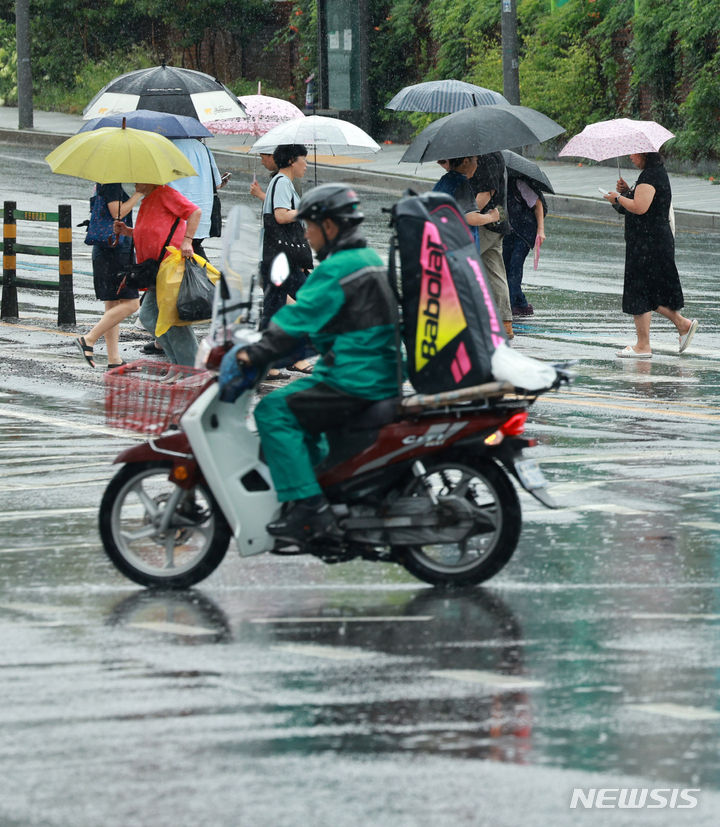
167,285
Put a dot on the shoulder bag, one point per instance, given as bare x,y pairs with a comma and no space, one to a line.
284,238
100,227
143,275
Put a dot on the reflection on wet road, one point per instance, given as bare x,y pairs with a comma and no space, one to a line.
285,692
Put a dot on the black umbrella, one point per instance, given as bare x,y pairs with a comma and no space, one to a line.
479,130
520,167
443,96
166,89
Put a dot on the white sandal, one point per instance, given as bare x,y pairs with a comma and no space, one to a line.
687,338
629,352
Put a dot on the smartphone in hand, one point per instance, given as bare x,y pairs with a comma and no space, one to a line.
602,191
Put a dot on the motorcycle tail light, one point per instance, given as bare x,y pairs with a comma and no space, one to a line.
515,425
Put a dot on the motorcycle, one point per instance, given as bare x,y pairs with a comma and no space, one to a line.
421,481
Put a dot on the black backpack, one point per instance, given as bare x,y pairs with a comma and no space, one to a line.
450,324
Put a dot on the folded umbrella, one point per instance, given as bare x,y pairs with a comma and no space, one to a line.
443,96
479,130
619,136
164,123
113,154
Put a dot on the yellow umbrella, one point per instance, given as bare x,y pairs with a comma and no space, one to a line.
118,154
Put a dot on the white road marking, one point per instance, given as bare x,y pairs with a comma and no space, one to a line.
21,486
328,652
494,679
374,619
59,547
11,516
30,416
707,525
173,628
37,608
609,508
682,713
673,616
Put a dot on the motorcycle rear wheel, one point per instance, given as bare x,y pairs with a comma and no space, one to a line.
481,555
131,511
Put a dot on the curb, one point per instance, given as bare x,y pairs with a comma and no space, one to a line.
568,206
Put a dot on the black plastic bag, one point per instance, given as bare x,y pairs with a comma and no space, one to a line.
195,296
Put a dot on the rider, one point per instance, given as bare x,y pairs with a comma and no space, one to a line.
348,310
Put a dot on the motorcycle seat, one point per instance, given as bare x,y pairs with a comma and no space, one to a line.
375,416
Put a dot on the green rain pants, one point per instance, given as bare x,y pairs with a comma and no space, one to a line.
291,422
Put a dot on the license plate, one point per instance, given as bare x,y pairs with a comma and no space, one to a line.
530,474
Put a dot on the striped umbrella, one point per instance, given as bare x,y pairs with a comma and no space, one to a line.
443,96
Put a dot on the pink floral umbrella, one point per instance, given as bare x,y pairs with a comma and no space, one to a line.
620,136
263,113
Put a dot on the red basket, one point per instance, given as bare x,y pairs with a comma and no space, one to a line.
149,396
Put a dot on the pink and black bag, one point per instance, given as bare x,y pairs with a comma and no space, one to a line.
450,324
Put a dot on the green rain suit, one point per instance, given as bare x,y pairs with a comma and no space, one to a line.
348,310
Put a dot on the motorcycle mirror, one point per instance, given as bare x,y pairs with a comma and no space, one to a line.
279,270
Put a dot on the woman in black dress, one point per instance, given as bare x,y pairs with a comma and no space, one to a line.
108,259
651,277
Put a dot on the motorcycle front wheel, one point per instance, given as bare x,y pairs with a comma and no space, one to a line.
489,544
151,546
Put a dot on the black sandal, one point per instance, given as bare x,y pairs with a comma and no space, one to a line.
116,365
85,349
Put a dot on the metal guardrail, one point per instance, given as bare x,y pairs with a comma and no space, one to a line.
10,248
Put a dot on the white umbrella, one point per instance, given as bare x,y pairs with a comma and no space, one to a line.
324,136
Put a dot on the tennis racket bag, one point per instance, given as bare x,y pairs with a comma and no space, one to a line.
450,323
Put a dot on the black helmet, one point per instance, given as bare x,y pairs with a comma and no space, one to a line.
338,202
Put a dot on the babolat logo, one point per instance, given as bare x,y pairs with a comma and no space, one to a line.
430,310
440,316
634,798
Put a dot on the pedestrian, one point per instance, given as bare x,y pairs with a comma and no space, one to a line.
651,282
109,256
163,208
488,185
279,208
456,183
267,160
200,188
526,213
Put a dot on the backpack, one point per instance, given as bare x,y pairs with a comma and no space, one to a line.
451,326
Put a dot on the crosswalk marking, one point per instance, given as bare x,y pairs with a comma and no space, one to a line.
494,679
682,713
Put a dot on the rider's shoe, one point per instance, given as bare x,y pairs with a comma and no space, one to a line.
305,520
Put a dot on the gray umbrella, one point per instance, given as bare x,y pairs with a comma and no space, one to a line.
481,129
443,96
520,167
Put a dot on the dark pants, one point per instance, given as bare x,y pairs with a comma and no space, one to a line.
515,252
291,422
275,298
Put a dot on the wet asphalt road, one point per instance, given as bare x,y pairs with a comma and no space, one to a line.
285,692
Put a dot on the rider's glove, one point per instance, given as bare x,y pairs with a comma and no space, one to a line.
235,378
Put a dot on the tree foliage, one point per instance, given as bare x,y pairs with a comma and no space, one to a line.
571,64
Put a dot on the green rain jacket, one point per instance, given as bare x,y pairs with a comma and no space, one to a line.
348,310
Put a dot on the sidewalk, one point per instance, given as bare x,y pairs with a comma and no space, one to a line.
696,200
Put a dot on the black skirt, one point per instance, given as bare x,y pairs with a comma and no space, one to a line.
107,265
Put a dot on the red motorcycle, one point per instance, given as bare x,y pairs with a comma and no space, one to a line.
421,481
